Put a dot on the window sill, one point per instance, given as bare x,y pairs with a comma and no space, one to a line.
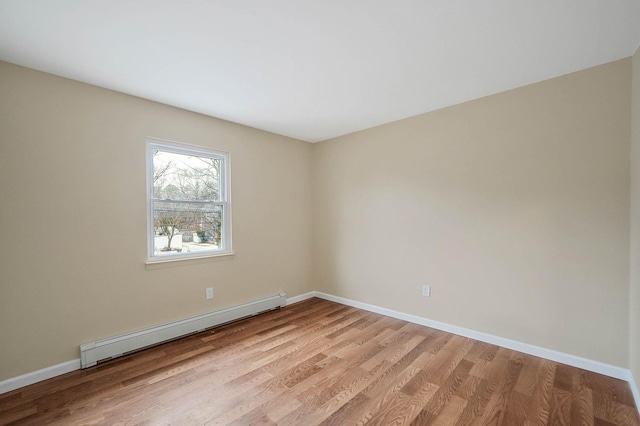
186,261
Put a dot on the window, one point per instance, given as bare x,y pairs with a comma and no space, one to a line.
188,201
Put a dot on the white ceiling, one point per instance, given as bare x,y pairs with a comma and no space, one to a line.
315,69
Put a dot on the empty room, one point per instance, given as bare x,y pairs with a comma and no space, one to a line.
304,213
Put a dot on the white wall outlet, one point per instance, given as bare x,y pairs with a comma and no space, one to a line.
209,293
426,290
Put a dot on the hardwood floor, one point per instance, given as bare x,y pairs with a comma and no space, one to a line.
318,362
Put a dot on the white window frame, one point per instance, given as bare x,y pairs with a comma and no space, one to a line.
225,199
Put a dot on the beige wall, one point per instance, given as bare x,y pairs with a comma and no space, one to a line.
514,208
634,345
73,218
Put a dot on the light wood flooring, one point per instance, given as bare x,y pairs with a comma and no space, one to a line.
319,362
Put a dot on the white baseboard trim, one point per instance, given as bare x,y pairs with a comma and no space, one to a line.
38,376
550,354
300,298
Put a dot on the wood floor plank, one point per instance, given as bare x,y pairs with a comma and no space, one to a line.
390,379
581,401
528,376
449,415
607,408
402,409
478,409
517,408
496,410
396,407
440,375
560,410
319,362
441,398
541,398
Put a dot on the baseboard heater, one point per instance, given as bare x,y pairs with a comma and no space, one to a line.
91,353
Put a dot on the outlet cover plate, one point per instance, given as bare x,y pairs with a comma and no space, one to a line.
426,290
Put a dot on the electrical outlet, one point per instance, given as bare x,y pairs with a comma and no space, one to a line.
209,293
426,290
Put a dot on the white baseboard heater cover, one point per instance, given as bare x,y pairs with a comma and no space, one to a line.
91,353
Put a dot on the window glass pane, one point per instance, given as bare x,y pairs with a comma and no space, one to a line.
185,177
186,227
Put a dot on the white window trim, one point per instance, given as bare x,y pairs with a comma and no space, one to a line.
225,196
